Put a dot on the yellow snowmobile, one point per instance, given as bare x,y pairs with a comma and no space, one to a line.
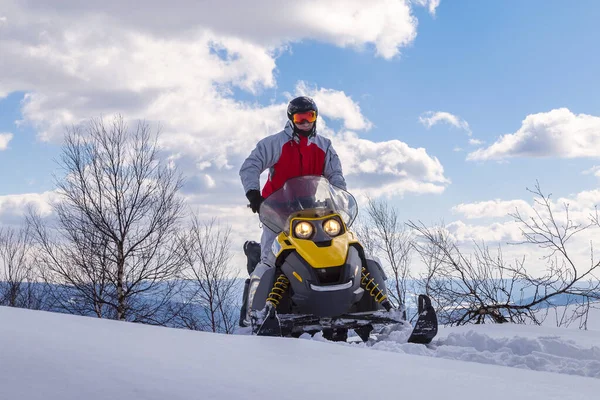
322,280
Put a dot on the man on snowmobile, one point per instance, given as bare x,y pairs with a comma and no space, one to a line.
295,151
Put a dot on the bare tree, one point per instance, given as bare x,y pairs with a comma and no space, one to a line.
465,289
483,287
364,231
390,239
431,257
213,286
75,265
18,286
115,249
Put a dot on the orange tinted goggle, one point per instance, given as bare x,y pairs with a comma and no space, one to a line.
310,116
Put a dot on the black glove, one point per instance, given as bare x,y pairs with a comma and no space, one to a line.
255,199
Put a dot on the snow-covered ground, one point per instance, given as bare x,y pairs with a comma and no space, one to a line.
54,356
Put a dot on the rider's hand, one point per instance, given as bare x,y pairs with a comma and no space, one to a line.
255,199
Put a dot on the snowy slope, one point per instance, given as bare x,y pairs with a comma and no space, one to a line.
536,348
54,356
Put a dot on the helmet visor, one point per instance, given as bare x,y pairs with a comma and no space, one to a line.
310,116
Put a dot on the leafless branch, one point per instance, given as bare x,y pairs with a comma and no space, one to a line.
213,288
483,287
18,276
115,246
386,237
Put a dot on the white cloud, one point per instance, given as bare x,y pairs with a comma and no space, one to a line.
211,154
210,182
507,237
581,205
179,64
5,138
583,201
430,4
385,168
179,81
387,24
75,44
433,4
14,207
431,118
336,105
557,133
475,142
595,170
495,232
581,208
491,208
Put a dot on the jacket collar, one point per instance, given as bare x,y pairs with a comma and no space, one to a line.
289,130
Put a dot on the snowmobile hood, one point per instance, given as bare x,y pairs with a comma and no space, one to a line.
321,251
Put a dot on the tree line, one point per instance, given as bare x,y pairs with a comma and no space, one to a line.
117,244
477,284
122,244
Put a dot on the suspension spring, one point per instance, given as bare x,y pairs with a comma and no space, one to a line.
372,287
279,288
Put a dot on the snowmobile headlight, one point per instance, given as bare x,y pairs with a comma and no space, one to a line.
303,230
332,227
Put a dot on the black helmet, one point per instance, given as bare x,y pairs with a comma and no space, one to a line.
301,104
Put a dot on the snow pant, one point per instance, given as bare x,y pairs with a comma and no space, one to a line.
264,273
266,243
262,277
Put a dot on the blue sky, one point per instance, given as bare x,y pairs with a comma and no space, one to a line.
28,161
490,65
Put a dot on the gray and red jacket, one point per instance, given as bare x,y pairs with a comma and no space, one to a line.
287,156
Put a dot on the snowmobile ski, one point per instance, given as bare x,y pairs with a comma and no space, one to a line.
271,325
427,325
287,325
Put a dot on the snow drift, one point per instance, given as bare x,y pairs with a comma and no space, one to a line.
51,356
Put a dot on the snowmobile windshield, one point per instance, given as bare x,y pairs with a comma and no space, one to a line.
306,196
